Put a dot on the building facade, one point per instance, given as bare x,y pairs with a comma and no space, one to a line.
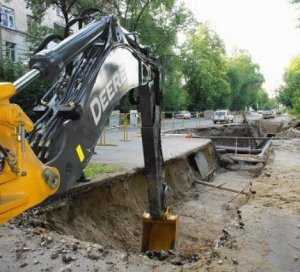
15,22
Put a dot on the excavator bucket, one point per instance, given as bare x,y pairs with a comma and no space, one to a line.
24,180
159,234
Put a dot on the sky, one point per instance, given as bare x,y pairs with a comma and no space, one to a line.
267,29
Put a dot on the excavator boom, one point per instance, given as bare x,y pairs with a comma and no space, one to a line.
91,71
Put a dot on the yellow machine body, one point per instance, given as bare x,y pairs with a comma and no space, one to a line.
24,180
159,234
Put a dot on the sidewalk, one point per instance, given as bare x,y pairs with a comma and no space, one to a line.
129,155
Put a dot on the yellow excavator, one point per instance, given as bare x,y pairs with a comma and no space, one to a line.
90,72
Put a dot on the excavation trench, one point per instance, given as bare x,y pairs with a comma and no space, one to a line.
110,214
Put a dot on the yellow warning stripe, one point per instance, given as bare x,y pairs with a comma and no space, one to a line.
80,153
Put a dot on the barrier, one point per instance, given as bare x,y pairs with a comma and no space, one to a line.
125,127
114,119
102,141
122,126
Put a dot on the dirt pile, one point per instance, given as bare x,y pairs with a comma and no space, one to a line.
289,133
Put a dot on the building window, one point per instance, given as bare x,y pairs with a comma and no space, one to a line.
7,17
10,49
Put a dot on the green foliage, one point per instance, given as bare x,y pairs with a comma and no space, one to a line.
214,80
285,96
246,82
174,95
205,70
67,8
200,77
263,101
157,23
37,34
94,169
10,71
289,93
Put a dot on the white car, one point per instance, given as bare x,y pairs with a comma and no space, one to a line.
268,114
222,116
183,115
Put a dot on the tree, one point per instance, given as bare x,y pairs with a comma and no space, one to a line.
69,9
245,81
289,93
205,70
10,71
263,101
157,22
174,96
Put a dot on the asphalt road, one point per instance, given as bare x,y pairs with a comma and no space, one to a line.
115,136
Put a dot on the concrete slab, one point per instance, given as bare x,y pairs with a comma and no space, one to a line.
129,155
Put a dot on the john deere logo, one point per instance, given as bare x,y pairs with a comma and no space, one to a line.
100,102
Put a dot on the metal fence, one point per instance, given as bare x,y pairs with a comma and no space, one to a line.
123,126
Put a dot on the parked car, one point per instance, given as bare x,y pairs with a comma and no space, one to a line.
223,116
267,114
255,115
183,115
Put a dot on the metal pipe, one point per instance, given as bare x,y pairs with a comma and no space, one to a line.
26,79
227,137
220,187
265,148
238,150
239,138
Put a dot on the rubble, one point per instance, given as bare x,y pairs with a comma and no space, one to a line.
22,265
93,254
67,258
289,133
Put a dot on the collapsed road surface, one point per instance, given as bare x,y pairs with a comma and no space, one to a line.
100,230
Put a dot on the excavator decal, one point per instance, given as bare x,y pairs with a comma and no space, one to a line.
100,102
